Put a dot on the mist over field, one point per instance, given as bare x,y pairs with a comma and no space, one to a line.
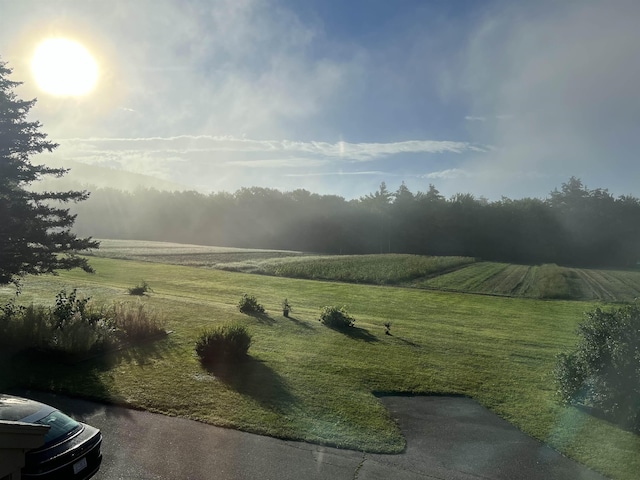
574,225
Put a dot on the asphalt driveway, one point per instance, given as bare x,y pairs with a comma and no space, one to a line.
447,438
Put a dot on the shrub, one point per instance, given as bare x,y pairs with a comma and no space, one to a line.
69,307
249,304
604,370
80,338
336,317
224,343
140,289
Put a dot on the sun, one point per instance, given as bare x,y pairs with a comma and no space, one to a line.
64,67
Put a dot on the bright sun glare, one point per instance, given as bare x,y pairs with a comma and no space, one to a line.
64,67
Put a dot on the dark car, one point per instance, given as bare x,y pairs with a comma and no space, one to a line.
71,449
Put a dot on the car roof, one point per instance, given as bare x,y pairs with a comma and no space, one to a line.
16,409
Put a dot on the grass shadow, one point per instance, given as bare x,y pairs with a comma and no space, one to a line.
299,323
602,415
141,352
406,342
262,317
39,375
50,373
255,379
357,333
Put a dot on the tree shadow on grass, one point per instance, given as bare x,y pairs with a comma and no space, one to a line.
255,379
141,353
600,414
261,317
406,342
299,323
51,373
358,333
74,388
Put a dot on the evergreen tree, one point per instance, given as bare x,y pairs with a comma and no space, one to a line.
35,230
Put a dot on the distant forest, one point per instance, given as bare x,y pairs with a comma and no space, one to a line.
572,226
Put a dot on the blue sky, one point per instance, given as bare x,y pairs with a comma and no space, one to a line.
490,98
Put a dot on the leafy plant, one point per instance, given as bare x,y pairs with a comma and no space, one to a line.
286,307
604,370
249,304
140,289
336,317
68,307
387,328
224,343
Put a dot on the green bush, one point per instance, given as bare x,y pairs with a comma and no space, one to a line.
224,343
603,372
249,304
336,317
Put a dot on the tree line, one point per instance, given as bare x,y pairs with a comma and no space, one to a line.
574,225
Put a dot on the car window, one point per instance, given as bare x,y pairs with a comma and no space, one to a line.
60,424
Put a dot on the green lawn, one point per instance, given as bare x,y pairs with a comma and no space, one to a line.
311,383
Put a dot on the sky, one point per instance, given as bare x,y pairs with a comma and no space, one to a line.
493,98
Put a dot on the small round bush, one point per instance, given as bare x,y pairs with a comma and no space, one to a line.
224,343
336,317
249,304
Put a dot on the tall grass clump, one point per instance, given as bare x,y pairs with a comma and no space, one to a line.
23,327
134,323
224,343
75,326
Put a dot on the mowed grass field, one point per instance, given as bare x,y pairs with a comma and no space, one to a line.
461,274
307,382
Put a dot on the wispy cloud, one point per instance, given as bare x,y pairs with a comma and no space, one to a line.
472,118
186,144
448,174
340,174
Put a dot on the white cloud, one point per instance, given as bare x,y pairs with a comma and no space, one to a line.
472,118
448,174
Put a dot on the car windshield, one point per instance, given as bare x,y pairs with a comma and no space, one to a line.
60,424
